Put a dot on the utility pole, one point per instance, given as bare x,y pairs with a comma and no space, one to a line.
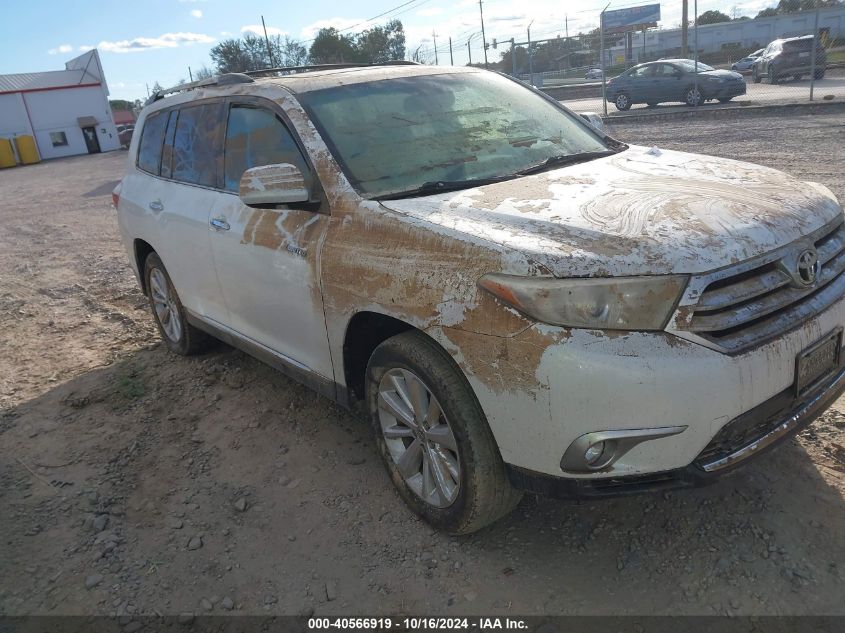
434,37
190,74
684,28
451,58
483,36
530,56
267,40
469,50
513,58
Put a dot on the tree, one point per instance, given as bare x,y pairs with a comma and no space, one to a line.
203,73
712,17
768,13
382,43
330,47
291,52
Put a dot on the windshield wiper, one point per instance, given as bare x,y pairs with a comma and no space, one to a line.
564,159
441,186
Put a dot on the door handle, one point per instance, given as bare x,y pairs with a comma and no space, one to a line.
156,205
220,225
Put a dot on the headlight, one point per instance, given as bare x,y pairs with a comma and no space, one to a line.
613,303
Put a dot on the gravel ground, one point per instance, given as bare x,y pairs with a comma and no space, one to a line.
136,482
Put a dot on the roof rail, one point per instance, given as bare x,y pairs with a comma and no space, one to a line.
226,79
313,67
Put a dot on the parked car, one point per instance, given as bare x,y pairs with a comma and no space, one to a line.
673,80
791,57
124,134
518,300
593,73
745,64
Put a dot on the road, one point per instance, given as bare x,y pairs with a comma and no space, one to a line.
133,481
758,94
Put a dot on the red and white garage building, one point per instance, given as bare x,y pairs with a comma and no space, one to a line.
66,111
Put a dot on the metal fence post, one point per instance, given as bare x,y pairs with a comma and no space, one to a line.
814,53
601,59
695,40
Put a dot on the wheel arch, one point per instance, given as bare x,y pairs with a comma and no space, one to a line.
142,251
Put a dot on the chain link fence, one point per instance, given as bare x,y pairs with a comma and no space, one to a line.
745,60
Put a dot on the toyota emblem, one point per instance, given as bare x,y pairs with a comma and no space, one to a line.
807,267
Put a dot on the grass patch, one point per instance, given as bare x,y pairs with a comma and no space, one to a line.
130,387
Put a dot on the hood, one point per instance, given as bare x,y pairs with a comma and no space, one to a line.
640,212
722,74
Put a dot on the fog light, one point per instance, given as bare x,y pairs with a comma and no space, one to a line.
593,454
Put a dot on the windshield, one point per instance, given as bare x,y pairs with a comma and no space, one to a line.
689,66
396,135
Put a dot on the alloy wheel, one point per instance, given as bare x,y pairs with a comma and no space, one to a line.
165,305
419,438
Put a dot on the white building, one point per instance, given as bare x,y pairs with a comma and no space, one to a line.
756,33
67,111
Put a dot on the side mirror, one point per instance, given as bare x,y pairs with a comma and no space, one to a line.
593,119
272,184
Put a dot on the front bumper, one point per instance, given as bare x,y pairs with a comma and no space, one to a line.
759,430
545,387
727,89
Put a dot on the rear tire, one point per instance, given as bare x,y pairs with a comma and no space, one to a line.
622,101
692,97
454,478
171,319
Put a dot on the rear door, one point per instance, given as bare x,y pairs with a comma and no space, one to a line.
267,259
169,195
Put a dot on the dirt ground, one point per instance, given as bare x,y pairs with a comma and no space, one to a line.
133,481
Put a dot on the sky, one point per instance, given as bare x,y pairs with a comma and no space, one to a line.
141,43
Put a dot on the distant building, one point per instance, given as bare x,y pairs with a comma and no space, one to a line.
67,111
741,34
123,117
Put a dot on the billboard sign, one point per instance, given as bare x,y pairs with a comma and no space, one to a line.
632,18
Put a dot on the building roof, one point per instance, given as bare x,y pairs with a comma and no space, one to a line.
122,116
84,70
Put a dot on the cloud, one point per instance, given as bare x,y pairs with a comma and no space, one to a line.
428,12
61,49
167,40
85,48
257,29
197,13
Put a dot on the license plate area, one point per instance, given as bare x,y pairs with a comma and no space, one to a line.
817,361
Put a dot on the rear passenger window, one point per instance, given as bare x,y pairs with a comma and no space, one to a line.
167,152
196,144
149,152
256,137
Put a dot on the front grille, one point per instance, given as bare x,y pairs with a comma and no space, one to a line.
748,308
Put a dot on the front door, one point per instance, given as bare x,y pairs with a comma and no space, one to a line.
267,259
91,140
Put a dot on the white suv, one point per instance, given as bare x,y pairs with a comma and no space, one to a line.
520,301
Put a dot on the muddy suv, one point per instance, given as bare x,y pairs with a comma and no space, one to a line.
518,301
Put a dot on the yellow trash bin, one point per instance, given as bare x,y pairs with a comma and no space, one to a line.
27,150
7,154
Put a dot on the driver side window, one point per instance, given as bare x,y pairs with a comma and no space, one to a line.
257,137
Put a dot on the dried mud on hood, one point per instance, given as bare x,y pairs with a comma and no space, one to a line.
638,212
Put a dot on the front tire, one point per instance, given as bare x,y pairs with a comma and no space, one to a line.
169,313
433,436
